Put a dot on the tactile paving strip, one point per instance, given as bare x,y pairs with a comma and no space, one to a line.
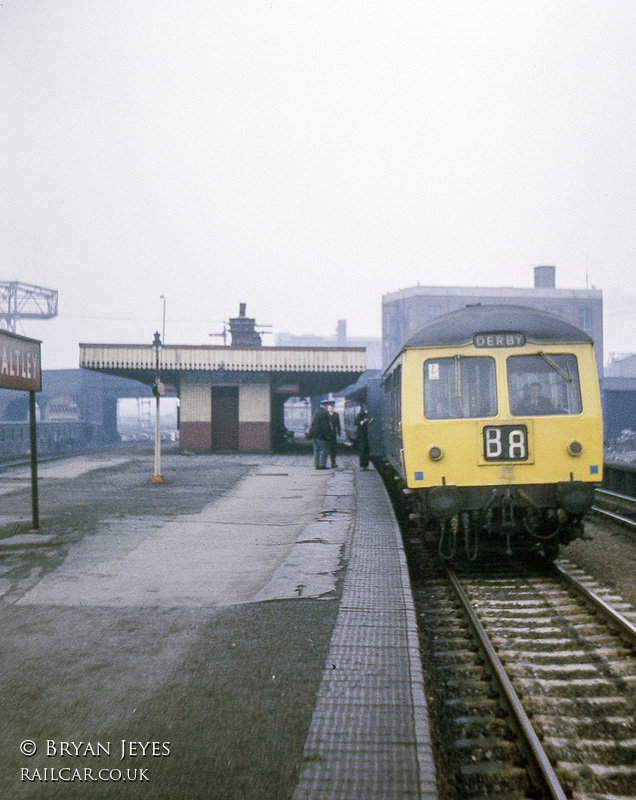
369,736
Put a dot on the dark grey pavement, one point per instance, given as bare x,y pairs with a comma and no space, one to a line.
169,641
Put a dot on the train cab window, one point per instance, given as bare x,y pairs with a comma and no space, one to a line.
542,384
460,387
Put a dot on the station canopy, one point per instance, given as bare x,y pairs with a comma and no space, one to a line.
301,371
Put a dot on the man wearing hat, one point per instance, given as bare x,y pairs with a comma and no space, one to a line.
320,431
334,420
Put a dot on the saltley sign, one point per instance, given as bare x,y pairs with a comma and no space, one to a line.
20,363
20,368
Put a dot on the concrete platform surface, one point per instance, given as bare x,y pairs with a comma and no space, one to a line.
244,629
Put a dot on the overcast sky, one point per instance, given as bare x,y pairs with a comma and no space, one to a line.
308,157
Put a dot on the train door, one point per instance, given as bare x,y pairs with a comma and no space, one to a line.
225,418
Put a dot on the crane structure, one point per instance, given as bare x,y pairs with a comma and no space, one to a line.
23,301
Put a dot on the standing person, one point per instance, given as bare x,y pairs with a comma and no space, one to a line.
362,437
334,421
320,432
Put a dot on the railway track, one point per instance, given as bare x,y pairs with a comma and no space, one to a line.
531,681
617,507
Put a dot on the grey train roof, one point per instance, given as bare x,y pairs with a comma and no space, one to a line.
459,327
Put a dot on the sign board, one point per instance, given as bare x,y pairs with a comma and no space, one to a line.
288,388
499,339
20,363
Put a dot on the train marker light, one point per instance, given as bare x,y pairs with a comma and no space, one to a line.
435,452
575,448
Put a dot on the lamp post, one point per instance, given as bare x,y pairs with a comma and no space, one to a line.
157,390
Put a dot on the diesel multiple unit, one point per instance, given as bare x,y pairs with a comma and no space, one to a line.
491,425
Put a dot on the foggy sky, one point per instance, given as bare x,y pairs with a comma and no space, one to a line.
306,158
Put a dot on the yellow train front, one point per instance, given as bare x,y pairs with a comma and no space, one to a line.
492,424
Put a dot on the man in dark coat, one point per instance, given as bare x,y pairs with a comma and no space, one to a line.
362,437
334,420
320,433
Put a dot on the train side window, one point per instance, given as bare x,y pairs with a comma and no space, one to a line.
392,405
541,384
387,405
460,387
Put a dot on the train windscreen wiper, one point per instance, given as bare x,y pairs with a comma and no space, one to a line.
565,375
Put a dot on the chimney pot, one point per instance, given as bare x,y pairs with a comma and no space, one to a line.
544,277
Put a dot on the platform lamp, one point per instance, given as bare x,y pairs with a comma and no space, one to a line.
158,389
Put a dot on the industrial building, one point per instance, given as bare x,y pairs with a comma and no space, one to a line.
372,344
404,311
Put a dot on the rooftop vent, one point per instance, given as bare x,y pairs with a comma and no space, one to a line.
544,277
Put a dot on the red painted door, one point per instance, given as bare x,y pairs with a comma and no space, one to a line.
225,417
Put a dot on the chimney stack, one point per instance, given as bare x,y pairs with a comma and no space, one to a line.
544,277
341,334
243,330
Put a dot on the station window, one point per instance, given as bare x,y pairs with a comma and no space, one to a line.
543,384
460,387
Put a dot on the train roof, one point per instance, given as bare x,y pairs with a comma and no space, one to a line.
359,389
460,327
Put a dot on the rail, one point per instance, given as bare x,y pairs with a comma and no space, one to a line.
541,761
626,629
609,503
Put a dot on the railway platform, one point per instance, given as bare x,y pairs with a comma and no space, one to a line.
252,615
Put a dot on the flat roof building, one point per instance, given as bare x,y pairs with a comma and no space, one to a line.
372,344
404,311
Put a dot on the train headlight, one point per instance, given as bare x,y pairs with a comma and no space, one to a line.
575,448
435,452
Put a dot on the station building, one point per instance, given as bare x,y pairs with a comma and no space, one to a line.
231,396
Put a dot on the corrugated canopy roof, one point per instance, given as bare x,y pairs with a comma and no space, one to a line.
193,358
